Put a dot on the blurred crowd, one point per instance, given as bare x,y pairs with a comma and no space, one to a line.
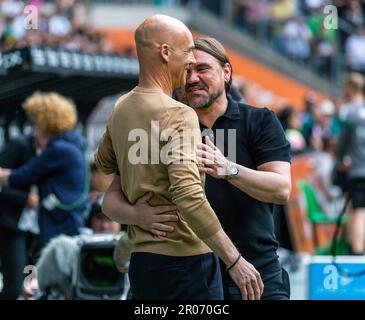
297,29
317,129
61,24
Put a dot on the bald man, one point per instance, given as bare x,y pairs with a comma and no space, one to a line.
145,141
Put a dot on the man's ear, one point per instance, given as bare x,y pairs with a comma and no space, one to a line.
227,72
165,52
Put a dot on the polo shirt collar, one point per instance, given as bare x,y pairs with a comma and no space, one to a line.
232,112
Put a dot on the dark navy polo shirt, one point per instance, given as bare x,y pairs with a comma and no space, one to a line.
248,222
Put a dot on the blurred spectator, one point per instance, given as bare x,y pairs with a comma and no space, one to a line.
351,153
336,121
98,222
14,241
258,17
353,99
62,24
310,101
60,170
328,195
353,13
324,42
355,48
59,24
324,126
283,10
11,8
296,39
319,123
290,120
296,29
314,5
353,94
309,120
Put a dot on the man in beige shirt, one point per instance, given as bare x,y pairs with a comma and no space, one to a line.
151,140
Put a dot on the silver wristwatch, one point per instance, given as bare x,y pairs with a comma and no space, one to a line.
231,171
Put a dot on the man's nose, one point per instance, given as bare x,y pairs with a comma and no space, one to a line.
192,77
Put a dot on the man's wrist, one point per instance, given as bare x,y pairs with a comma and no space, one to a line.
234,263
232,170
133,215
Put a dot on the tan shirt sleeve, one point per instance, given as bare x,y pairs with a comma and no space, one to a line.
105,158
186,186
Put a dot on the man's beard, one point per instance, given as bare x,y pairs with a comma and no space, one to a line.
205,102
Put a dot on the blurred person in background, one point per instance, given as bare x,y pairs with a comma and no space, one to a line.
98,222
320,122
291,123
353,94
353,98
60,171
353,13
62,24
310,101
351,154
325,125
329,196
309,116
354,49
256,17
297,39
14,242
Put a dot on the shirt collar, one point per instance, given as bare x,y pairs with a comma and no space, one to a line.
232,112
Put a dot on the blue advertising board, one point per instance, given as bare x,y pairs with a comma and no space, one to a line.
344,280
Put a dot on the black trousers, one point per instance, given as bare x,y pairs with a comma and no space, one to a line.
13,258
160,277
276,284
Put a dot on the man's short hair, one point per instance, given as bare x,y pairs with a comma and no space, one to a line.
215,49
356,81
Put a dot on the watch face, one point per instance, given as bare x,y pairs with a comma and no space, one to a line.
232,170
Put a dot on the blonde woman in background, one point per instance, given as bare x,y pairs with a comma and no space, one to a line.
60,170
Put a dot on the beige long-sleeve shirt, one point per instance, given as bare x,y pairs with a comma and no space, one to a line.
151,140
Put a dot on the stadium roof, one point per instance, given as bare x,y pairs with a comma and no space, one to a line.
86,78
